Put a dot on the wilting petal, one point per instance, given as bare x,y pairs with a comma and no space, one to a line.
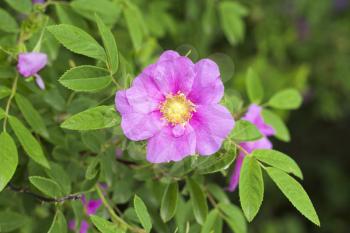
207,86
254,116
140,126
172,76
31,63
212,125
165,147
236,172
39,81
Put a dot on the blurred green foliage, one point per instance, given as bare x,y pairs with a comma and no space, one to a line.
290,43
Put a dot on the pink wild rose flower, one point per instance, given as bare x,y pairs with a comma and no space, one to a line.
254,116
174,104
29,64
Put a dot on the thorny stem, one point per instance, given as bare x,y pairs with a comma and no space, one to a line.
13,92
70,197
118,220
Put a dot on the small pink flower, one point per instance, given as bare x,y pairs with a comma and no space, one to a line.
84,227
174,104
254,116
91,206
118,153
29,64
38,1
72,224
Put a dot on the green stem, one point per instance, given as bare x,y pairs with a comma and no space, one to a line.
13,92
115,218
241,148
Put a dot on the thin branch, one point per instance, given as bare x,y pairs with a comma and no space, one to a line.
116,219
8,104
70,197
241,148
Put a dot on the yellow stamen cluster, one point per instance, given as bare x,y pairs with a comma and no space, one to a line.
177,109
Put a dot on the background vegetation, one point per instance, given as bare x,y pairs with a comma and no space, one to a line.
290,43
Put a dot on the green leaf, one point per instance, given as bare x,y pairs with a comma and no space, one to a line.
23,6
251,187
103,225
7,22
93,169
2,113
215,162
198,201
66,15
234,217
281,130
132,15
286,99
94,118
28,142
295,193
254,87
8,158
142,213
278,160
31,115
60,176
245,131
109,44
108,11
77,41
86,78
169,202
231,17
10,221
4,92
46,186
209,224
218,193
59,223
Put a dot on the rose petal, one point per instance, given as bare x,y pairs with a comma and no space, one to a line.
140,126
212,125
236,172
172,76
254,116
92,206
39,81
168,55
207,86
263,143
84,227
72,225
122,104
165,147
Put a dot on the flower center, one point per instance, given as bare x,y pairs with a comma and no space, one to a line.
177,109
